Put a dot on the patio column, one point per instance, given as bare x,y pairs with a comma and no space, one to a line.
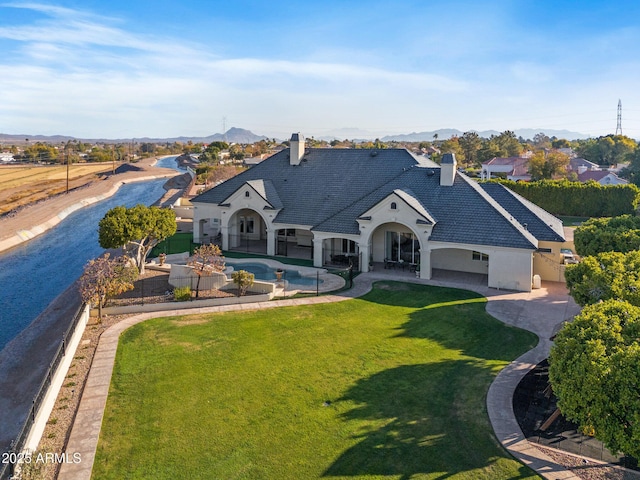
317,252
225,237
364,256
197,231
271,242
425,264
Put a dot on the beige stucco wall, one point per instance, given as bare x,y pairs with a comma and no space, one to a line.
204,211
185,276
378,240
511,269
458,260
549,265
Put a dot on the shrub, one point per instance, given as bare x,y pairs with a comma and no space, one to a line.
594,373
617,234
182,294
243,280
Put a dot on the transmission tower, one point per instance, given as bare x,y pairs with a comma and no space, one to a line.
619,125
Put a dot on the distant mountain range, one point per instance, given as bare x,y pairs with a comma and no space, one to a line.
446,133
233,135
240,135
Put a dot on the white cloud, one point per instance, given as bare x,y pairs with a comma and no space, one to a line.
86,74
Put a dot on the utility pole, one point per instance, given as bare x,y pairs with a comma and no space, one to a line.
66,152
619,125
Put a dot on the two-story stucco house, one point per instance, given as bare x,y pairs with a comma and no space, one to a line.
384,206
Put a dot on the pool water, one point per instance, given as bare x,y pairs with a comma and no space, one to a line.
264,272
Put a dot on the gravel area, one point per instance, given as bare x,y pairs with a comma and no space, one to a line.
58,427
154,287
589,469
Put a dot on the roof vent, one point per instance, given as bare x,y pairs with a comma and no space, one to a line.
374,153
430,173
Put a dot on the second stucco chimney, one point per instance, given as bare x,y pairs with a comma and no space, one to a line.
448,167
296,149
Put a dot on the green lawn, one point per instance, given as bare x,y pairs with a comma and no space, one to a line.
572,221
391,385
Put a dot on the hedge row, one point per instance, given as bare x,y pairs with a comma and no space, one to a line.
578,199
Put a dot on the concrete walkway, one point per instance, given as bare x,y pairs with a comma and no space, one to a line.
540,311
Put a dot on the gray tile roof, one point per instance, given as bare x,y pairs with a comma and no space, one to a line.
539,222
410,198
267,191
332,188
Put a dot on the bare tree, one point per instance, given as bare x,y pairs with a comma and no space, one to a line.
206,259
104,277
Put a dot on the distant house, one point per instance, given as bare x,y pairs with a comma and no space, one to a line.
567,151
581,165
385,207
603,177
6,157
253,161
516,168
431,150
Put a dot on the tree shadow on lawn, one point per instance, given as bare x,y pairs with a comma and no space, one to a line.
455,318
432,423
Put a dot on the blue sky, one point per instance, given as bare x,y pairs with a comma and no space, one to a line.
126,69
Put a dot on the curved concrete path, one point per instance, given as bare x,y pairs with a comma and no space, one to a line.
540,311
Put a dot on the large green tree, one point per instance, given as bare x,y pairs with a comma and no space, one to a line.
609,275
607,150
548,165
470,142
452,145
137,229
595,373
632,171
612,234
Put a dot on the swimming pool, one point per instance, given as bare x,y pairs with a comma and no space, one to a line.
267,273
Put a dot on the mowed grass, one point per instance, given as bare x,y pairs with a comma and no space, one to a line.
17,176
391,385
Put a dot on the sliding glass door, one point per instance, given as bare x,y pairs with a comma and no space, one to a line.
402,246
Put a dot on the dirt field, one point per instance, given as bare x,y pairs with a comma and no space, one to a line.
24,184
37,204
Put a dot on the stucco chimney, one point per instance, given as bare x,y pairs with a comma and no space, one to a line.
448,167
296,148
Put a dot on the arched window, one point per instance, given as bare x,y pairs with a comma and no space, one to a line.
246,194
394,206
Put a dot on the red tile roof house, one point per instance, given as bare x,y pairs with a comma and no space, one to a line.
603,177
516,168
378,206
